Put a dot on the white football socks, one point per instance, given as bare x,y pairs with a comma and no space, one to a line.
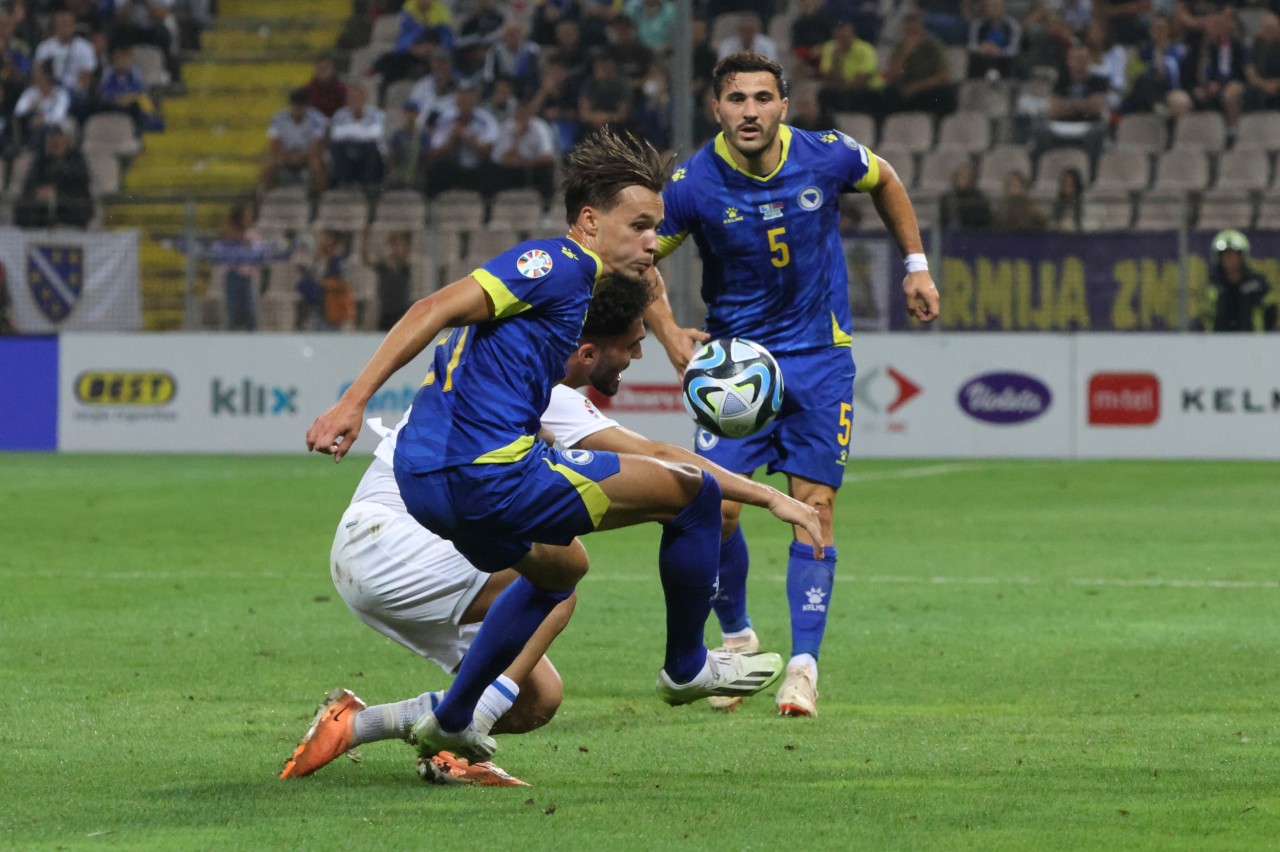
393,721
497,699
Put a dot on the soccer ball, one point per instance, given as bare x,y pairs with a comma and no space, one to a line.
732,387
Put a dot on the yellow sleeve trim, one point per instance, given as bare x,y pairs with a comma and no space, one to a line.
872,177
839,336
666,245
592,495
505,304
512,452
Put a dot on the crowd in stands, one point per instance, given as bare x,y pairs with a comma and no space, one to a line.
63,62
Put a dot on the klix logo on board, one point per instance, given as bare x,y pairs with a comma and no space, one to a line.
1124,399
247,398
1004,399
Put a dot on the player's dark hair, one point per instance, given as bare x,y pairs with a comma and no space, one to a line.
605,163
747,63
615,307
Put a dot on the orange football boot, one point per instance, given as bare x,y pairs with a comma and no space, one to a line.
447,768
329,736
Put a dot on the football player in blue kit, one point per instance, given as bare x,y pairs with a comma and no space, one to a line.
761,203
470,469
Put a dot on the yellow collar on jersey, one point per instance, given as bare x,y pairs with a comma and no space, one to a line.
589,253
722,148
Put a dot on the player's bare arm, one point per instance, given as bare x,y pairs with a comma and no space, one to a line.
678,342
461,303
894,207
733,487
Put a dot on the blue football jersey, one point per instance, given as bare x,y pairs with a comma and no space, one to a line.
489,383
773,268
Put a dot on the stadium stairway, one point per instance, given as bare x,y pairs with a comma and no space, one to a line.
211,149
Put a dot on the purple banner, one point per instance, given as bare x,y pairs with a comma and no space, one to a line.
1116,281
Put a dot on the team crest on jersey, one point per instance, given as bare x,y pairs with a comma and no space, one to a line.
534,263
579,457
771,211
810,198
732,215
705,440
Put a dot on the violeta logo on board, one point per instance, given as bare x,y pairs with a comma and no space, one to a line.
1004,399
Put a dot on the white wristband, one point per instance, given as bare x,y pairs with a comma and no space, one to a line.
916,263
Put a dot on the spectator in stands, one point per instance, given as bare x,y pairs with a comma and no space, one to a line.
1217,69
995,40
328,299
1158,83
484,24
863,14
655,20
850,73
964,206
810,29
424,26
806,110
15,59
1126,20
571,50
547,15
393,274
296,144
1107,59
945,19
1068,206
1075,14
26,27
605,96
122,90
434,92
633,58
1078,108
74,59
1047,47
748,37
704,56
406,146
1237,293
356,138
651,112
461,143
7,325
594,20
325,90
43,105
56,191
148,22
238,257
1016,211
514,57
557,103
502,100
1263,69
918,76
525,155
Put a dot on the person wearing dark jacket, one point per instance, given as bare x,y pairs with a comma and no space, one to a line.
56,191
1237,295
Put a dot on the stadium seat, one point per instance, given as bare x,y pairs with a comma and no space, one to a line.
401,207
456,210
342,210
1107,210
149,61
396,96
936,168
1258,131
362,59
386,29
902,159
999,161
910,130
860,126
18,171
1123,170
968,132
1050,165
1225,209
111,132
1269,212
958,62
1143,131
1181,170
283,213
104,173
780,31
483,244
1161,212
1244,170
519,209
988,97
724,25
1200,131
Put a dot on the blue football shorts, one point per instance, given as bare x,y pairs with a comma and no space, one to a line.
494,512
810,436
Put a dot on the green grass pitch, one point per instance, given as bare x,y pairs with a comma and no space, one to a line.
1021,655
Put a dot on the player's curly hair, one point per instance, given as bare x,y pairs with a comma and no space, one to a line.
744,62
605,163
615,306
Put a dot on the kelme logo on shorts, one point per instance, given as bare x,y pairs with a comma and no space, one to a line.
534,263
125,387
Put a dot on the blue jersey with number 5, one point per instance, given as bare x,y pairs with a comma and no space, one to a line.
773,267
489,383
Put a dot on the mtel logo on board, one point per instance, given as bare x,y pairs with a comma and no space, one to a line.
1124,399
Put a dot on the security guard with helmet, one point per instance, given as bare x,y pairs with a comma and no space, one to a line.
1237,296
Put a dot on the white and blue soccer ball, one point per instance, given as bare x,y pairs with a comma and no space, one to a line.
732,387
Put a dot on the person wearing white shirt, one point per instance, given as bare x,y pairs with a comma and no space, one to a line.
433,93
748,38
525,154
44,104
296,143
461,142
74,59
356,135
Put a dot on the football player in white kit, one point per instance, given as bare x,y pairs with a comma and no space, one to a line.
414,587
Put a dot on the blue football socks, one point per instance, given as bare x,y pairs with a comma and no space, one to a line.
688,562
731,598
809,583
513,618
